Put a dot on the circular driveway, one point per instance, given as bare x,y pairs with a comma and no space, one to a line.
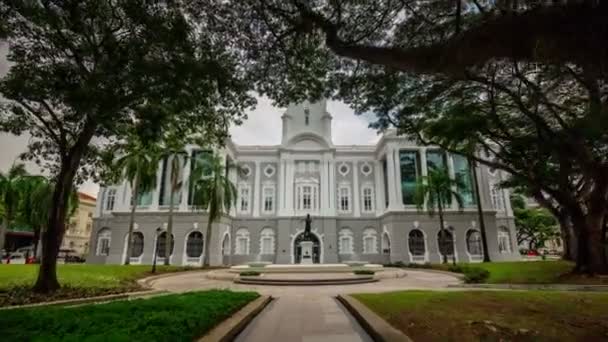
414,280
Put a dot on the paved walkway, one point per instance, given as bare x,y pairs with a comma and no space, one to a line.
305,313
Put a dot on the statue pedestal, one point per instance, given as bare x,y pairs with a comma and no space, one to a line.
306,257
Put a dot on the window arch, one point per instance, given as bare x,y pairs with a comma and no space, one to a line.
242,242
416,243
137,244
345,241
370,241
504,240
194,245
474,244
267,241
162,245
445,241
104,239
386,243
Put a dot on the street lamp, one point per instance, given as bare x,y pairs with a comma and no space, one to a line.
453,245
155,251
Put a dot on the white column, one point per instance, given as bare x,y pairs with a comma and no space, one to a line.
232,175
379,187
256,191
356,198
423,167
281,189
156,191
452,175
125,198
390,167
289,187
332,187
323,189
398,190
183,206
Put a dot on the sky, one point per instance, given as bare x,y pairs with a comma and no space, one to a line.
263,127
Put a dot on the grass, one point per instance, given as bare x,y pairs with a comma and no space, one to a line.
182,317
532,272
77,280
494,315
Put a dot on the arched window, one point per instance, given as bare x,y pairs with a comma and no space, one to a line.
370,241
416,243
267,241
445,241
194,245
504,240
386,243
137,244
242,242
474,243
104,238
345,241
162,244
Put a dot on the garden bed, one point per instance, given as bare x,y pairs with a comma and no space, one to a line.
179,317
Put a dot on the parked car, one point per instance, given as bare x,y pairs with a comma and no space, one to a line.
16,258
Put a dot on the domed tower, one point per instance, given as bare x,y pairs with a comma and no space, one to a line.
307,119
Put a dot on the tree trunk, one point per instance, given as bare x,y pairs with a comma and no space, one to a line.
135,187
168,239
595,245
37,234
207,244
568,237
442,230
47,273
482,223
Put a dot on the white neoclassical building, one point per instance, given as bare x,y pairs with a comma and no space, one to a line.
361,199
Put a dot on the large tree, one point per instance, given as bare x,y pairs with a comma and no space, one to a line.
12,186
84,72
524,81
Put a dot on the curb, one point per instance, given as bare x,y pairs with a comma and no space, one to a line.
376,327
549,287
146,282
232,326
87,300
430,270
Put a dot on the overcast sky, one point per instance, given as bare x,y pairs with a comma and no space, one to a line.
263,127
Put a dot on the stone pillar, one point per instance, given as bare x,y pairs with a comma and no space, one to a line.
398,190
379,187
356,199
452,175
332,188
289,179
156,191
183,205
390,167
256,191
324,189
423,167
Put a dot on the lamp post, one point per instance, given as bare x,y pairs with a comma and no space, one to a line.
155,251
453,245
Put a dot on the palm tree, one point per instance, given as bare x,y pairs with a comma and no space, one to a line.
176,156
11,188
437,190
482,222
213,190
138,166
34,206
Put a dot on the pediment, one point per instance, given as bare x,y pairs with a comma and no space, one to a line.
307,142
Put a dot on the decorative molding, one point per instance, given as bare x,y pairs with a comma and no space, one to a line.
343,169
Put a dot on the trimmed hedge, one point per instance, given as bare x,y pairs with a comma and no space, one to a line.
181,317
249,274
364,272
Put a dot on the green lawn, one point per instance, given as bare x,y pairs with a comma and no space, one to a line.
532,272
494,315
77,280
182,317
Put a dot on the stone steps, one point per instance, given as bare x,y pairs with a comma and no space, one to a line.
304,282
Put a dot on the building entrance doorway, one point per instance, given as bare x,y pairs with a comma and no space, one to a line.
316,249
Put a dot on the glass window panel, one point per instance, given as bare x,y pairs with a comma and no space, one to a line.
464,174
409,162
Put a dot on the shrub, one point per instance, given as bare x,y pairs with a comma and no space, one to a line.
456,268
474,275
364,272
249,274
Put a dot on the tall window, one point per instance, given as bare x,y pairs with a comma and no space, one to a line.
110,199
197,157
496,196
368,199
306,116
370,240
244,192
385,180
504,240
464,173
416,243
165,186
445,240
474,242
306,197
137,244
268,199
194,245
344,198
437,159
162,244
409,162
242,242
345,241
104,237
267,241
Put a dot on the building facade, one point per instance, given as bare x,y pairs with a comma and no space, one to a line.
78,232
361,199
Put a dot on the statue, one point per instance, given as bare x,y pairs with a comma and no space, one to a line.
307,233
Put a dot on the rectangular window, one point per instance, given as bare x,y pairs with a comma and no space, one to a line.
464,176
437,160
368,246
409,163
110,199
268,199
385,180
104,246
197,157
267,245
241,246
244,199
306,197
368,200
344,196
